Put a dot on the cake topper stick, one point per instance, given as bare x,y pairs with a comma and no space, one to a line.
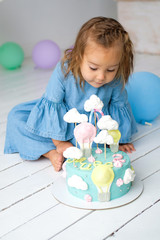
148,123
105,150
96,119
104,138
75,124
95,124
102,114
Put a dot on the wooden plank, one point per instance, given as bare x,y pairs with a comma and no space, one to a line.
10,78
44,225
145,226
146,129
148,164
2,142
22,88
9,160
21,171
26,187
34,83
64,222
145,145
26,210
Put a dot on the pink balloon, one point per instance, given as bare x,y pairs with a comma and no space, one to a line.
85,132
46,54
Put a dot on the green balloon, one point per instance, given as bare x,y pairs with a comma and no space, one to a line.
11,55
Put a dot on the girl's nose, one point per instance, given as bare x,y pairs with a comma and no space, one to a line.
101,76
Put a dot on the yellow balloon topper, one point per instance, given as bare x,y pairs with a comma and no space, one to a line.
102,175
115,134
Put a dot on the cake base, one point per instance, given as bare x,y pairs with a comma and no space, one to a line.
61,193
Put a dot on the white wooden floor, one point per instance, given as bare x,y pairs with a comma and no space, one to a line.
27,208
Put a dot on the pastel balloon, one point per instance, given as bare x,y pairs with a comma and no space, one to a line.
102,175
144,96
85,132
11,55
46,54
115,134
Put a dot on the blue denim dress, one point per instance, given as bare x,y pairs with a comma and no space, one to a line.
32,125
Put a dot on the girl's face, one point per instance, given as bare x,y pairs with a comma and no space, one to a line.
99,64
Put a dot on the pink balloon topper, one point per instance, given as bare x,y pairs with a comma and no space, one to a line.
85,132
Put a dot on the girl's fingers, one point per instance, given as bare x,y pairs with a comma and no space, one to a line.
128,147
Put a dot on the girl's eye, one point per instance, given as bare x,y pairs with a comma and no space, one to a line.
93,69
110,70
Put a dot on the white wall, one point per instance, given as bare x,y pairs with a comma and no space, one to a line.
29,21
142,20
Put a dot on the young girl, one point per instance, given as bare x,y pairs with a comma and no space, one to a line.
99,63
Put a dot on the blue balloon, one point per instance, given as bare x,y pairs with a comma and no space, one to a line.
144,96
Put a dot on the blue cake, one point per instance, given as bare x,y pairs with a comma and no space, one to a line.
101,180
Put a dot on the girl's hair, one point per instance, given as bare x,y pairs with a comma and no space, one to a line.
105,32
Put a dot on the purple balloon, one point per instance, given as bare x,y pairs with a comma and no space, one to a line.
46,54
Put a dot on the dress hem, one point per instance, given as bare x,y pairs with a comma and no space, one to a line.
23,156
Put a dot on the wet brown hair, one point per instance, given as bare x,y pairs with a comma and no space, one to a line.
105,32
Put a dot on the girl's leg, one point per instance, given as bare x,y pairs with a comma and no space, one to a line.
55,158
19,140
56,155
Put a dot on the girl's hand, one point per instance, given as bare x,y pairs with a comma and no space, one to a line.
127,147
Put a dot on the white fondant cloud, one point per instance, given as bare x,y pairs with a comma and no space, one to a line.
77,182
93,102
106,122
73,152
104,137
73,116
128,176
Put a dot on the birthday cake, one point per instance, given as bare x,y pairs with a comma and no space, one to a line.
100,173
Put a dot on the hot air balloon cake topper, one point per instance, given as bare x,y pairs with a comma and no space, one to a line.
96,173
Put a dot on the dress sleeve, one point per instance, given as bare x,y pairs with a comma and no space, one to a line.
46,117
120,111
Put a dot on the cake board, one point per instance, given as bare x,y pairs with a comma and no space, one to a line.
61,194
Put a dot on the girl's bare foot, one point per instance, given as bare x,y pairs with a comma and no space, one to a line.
62,146
56,159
